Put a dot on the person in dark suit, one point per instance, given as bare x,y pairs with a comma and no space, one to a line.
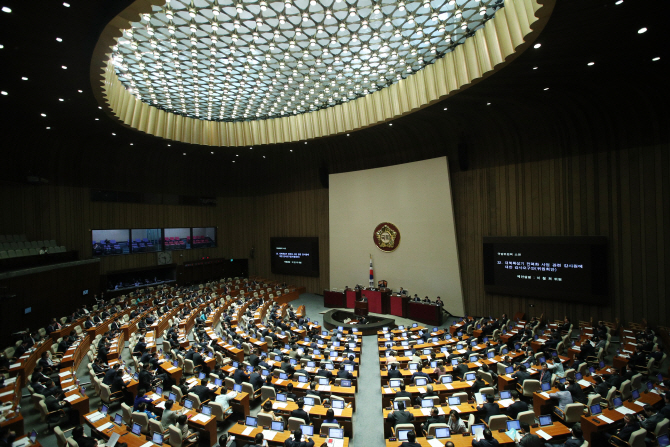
256,379
521,375
299,412
665,411
286,366
490,408
631,425
62,347
601,387
517,407
323,372
400,416
434,418
393,372
203,392
421,373
239,376
297,441
576,392
402,392
576,440
344,374
487,441
145,377
110,374
460,370
254,360
88,324
411,440
478,384
140,348
58,403
118,385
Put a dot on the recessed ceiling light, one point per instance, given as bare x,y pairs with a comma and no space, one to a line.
535,68
43,114
3,93
63,67
48,128
445,108
131,144
113,134
618,2
1,47
67,5
233,161
171,145
347,135
237,155
97,119
305,142
59,39
263,156
546,88
24,78
250,148
212,152
642,30
488,103
537,45
184,153
61,99
6,9
99,107
590,63
291,150
390,124
656,59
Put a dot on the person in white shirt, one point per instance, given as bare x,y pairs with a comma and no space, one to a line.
556,368
224,399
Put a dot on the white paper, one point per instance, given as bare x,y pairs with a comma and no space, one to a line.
279,381
583,382
21,442
148,444
387,390
324,387
269,435
338,411
543,434
277,405
624,410
436,443
94,416
637,402
307,408
421,389
7,393
605,419
73,397
105,426
544,393
506,402
63,374
112,439
14,365
161,405
449,386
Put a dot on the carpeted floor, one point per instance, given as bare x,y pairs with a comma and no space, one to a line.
368,421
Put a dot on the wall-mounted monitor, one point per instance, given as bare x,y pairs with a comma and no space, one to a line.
295,256
568,268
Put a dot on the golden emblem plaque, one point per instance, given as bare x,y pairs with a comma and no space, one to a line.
386,237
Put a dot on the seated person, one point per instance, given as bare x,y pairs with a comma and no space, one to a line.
434,418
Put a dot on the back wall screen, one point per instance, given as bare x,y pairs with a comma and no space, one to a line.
570,268
295,256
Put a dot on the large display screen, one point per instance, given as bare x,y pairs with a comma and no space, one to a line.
571,268
295,255
144,240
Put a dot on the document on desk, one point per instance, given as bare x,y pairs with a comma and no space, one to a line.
449,386
148,444
161,405
637,402
436,443
269,435
543,393
543,434
421,389
387,390
583,382
279,381
73,397
624,410
337,411
6,393
21,442
425,411
324,387
95,416
104,427
277,405
605,419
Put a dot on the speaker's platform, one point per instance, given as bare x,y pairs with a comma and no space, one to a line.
335,318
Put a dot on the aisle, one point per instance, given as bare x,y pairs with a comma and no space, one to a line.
368,421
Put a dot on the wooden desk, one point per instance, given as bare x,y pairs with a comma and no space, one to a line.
278,439
317,413
458,440
333,299
425,313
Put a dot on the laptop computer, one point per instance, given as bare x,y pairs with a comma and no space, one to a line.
338,404
513,424
118,419
104,409
188,404
595,409
477,430
426,403
251,421
277,426
137,429
206,410
402,435
281,397
345,383
336,433
447,379
505,395
470,376
302,379
545,420
413,366
237,388
159,391
617,402
421,381
201,375
172,397
157,438
395,383
442,433
546,386
309,401
453,401
307,430
509,370
663,440
323,381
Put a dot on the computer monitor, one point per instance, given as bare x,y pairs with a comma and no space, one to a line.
277,358
442,433
237,388
395,383
663,440
338,404
395,405
104,409
33,436
490,354
421,381
316,352
505,350
454,401
505,395
407,353
307,430
545,420
157,438
277,426
459,346
447,379
236,365
311,364
302,379
323,381
293,361
617,402
118,419
578,376
635,394
349,367
509,370
415,324
309,401
251,421
474,358
172,397
345,383
336,344
188,403
206,410
250,369
470,376
324,333
175,363
159,390
426,403
650,385
595,409
264,373
401,327
546,386
218,382
352,345
201,375
413,366
402,435
283,376
281,397
454,362
137,429
385,329
477,429
542,360
306,339
427,351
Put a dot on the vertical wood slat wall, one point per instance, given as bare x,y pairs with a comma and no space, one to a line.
623,195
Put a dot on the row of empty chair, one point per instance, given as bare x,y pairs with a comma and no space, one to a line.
6,254
12,238
27,244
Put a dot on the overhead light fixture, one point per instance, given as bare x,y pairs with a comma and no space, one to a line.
535,68
537,45
546,88
4,93
390,124
113,134
80,91
61,99
59,39
618,2
131,144
445,108
488,103
590,64
67,5
24,78
6,9
64,67
656,59
642,30
43,114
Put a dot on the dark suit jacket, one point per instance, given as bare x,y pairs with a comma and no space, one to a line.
298,413
239,376
203,393
109,376
394,374
433,420
256,380
521,376
400,417
628,430
292,443
485,443
490,410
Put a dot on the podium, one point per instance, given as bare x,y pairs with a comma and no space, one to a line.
361,308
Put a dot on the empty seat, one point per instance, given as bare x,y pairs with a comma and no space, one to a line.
33,252
3,255
52,243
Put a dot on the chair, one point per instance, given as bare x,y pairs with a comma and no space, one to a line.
295,423
325,428
143,420
53,417
573,413
264,420
217,412
526,416
177,392
625,389
268,393
487,390
126,414
249,389
636,439
529,387
61,440
497,422
402,427
72,443
189,367
155,426
177,440
108,397
661,428
406,400
195,398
